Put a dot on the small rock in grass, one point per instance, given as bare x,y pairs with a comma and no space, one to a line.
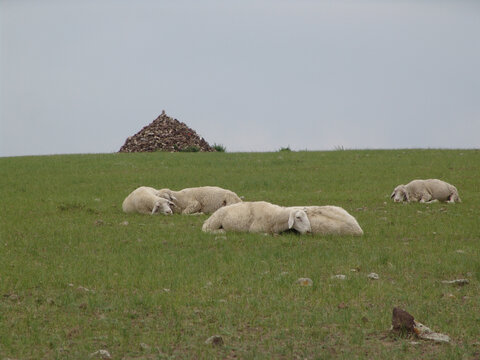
460,251
373,276
339,276
305,282
12,297
124,223
144,346
342,305
459,282
84,289
426,333
216,340
103,354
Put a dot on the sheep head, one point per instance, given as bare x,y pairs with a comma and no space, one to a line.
400,194
298,220
163,206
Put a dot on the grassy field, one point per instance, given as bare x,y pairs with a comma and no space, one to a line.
78,275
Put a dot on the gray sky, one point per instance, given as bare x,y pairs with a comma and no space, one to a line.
253,75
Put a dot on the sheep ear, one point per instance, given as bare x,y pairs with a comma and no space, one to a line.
171,203
405,192
291,219
393,194
155,209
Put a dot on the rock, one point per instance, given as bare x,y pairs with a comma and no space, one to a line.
373,276
426,333
11,297
82,289
459,282
305,282
339,277
144,346
103,354
216,340
165,134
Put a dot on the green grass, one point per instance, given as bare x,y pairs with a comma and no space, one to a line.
159,287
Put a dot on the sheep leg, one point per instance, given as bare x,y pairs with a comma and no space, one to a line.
192,208
213,225
426,198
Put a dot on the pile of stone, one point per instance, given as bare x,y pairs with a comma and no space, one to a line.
165,134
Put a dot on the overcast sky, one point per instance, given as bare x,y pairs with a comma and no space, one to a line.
254,75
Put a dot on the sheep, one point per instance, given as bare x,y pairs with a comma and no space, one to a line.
257,216
331,220
204,199
426,191
145,200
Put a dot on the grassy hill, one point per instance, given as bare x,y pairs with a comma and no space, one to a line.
78,275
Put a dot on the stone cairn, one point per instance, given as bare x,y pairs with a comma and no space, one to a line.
165,134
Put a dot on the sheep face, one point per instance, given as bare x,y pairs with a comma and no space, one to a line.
298,220
399,194
163,206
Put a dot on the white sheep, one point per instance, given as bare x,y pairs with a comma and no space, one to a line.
257,216
204,199
145,200
331,220
429,190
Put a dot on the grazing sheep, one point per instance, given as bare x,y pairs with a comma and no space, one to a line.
205,199
258,216
145,200
331,220
430,190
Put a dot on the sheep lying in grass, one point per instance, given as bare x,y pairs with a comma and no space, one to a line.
424,191
258,216
145,200
331,220
205,199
